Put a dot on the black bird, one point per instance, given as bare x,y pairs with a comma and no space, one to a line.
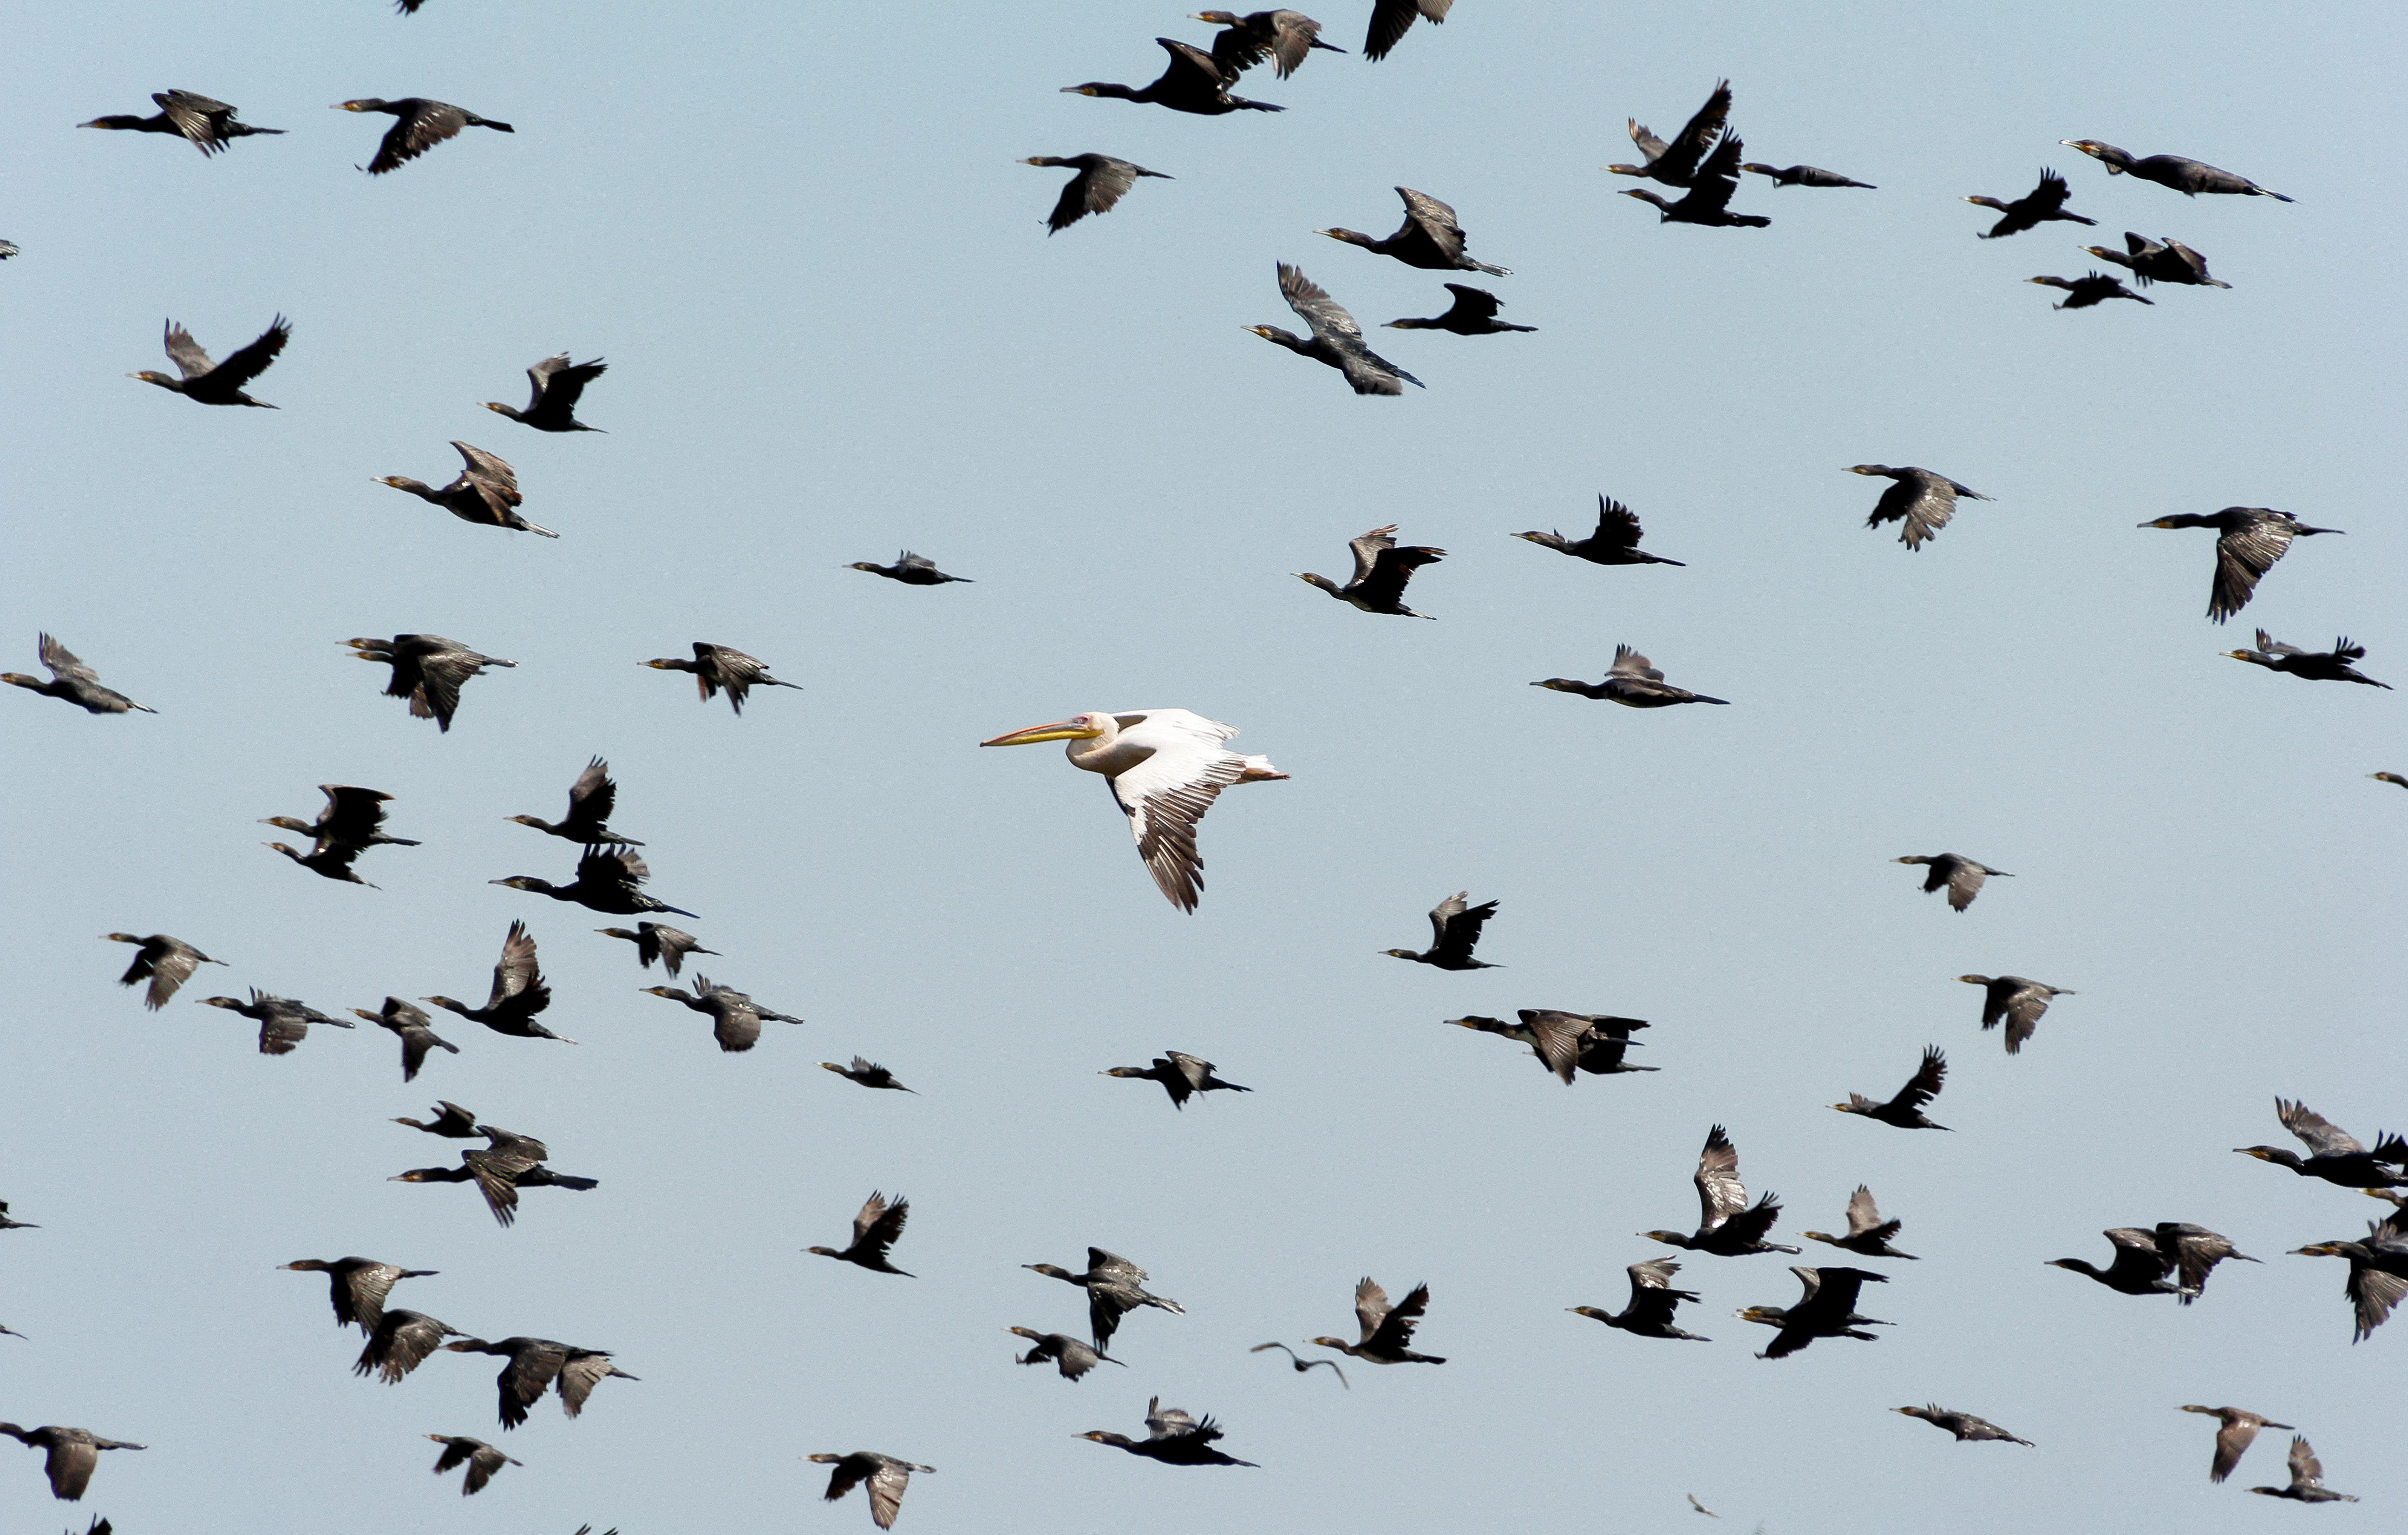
8,1225
911,570
2187,177
1102,182
1067,1353
1172,1437
165,962
207,124
1382,569
2399,779
553,387
590,800
2151,261
359,1287
418,125
2043,203
70,1455
2332,665
2088,291
1473,313
485,492
352,816
887,1478
1633,681
2378,1269
508,1163
717,667
1727,1226
1191,82
451,1121
1181,1076
2237,1428
1454,932
2015,1000
1961,877
1387,1331
413,1028
1964,1426
608,881
1428,239
1868,1235
871,1074
1922,500
1905,1110
2307,1484
1567,1042
427,669
1390,20
1653,1301
1337,340
481,1459
1708,201
217,383
2248,542
518,993
735,1017
1300,1364
874,1231
1805,176
1827,1309
283,1023
659,941
2175,1260
72,681
1614,542
1285,37
7,250
1114,1286
536,1363
327,860
1677,163
2333,1154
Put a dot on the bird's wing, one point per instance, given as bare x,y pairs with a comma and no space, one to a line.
1965,882
1396,1330
1167,1422
2373,1292
2323,1137
1113,1266
1462,930
1629,662
1922,502
63,663
1925,1084
1720,1193
2137,1252
415,131
192,116
578,1379
185,352
1291,37
1753,1223
517,973
2023,1012
1558,1037
2242,556
71,1462
849,1473
886,1487
1654,1275
1689,148
250,362
1617,525
496,1178
352,815
2050,194
456,1453
1390,18
1811,1279
168,972
403,1341
1190,61
1104,183
363,1290
1371,1306
1368,550
1391,569
1718,178
1650,148
2189,257
2305,1466
594,796
1471,303
880,1223
1312,302
1168,792
2195,1251
1862,1214
1436,220
2231,1441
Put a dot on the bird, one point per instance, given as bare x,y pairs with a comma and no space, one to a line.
8,1225
418,125
2043,203
1102,182
1827,1309
451,1121
1964,1426
1632,682
1727,1226
1567,1042
359,1287
610,879
1301,1365
328,860
1960,876
1387,1332
1190,82
1390,20
2187,177
1677,163
2333,1154
2237,1429
874,1231
2332,665
869,1074
735,1017
1337,340
2017,1001
911,570
590,800
485,492
1905,1110
2378,1271
1285,37
165,962
206,382
553,387
2154,261
1114,1286
206,123
1921,499
352,816
2089,291
283,1023
1166,766
1701,1507
72,681
519,992
1473,313
415,1030
1708,201
1653,1301
1067,1353
536,1363
2248,542
1454,932
661,942
2174,1258
1172,1438
1614,542
717,667
508,1163
8,249
1382,569
2307,1484
1428,239
887,1478
13,1333
1805,176
481,1459
428,670
69,1455
1868,1235
1183,1076
2399,779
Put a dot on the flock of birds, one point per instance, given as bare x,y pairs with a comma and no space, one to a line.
1166,769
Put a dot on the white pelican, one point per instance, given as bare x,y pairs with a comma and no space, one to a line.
1166,766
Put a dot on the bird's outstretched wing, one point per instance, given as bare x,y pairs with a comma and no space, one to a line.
250,362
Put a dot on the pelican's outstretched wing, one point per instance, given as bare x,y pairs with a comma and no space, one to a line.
1166,793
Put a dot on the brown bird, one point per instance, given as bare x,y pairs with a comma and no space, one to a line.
359,1287
418,124
1387,1332
1181,1076
2017,1001
887,1477
69,1455
590,800
204,122
2236,1430
1868,1235
1905,1109
1391,19
400,1342
427,669
1964,1426
2307,1484
1676,165
536,1363
2040,206
72,681
1102,182
874,1231
481,1459
554,385
165,962
485,492
1726,1225
1960,876
659,941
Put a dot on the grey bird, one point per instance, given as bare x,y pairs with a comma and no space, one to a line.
1182,1075
1114,1286
1068,1355
283,1023
2332,665
2248,542
1301,1365
165,962
2307,1484
1632,682
485,492
1102,182
69,1455
481,1459
2237,1429
1919,499
1868,1235
72,681
2188,176
1382,569
1428,239
887,1477
1965,1425
659,941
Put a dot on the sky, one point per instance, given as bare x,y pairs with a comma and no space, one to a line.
837,327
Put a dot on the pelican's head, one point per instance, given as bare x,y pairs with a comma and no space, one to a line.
1076,727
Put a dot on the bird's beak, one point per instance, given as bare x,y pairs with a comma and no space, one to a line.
498,882
342,107
2235,656
1058,730
2321,1250
1028,162
1855,469
1389,326
2160,522
1331,235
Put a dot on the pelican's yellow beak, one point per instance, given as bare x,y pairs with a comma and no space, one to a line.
1058,730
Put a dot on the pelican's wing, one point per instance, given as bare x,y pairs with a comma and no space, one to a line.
1166,793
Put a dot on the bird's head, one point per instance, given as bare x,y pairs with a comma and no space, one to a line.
1076,727
824,1251
1218,18
151,375
2268,1154
2324,1249
1538,538
119,938
1821,1236
1401,954
364,104
1093,88
1049,1271
1869,468
2079,1266
1974,980
1102,1436
673,993
310,1265
1769,1315
2237,655
421,1175
446,1003
1326,1343
1027,1332
528,821
220,1002
396,481
1670,1238
1558,685
1123,1071
523,882
2101,251
1589,1311
2094,147
114,120
1625,170
371,1017
469,1345
865,564
667,663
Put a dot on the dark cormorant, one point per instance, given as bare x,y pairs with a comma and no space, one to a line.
887,1478
1114,1286
1287,37
1567,1042
2232,1440
1172,1438
2332,665
1102,182
510,1163
70,1455
2378,1269
2043,203
717,667
1676,165
661,942
1727,1226
2307,1484
413,1028
1473,313
1067,1353
207,124
536,1363
1653,1301
868,1073
2333,1154
2187,177
1614,542
1191,82
590,800
8,1225
1708,201
874,1231
1181,1076
418,125
735,1017
1381,571
2088,291
283,1023
1632,680
1301,1365
481,1459
1454,932
518,993
217,383
72,681
328,861
607,881
1805,176
352,817
359,1287
165,962
1905,1110
1868,1235
1827,1309
1961,877
2147,1262
427,669
1390,20
1387,1332
911,570
1428,239
2399,779
2150,261
2248,542
2017,1001
1964,1426
1923,500
554,386
400,1342
486,492
451,1121
1336,339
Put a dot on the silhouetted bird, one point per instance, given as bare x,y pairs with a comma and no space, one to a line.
427,669
2307,1484
1805,176
1827,1309
485,492
1337,340
283,1023
1429,239
415,1030
1959,876
1905,1110
451,1121
206,382
1390,19
2017,1001
69,1455
1172,1438
2188,176
1566,1042
2175,1259
1922,500
887,1478
911,570
2332,665
518,993
1964,1426
206,124
1676,165
536,1363
2151,261
1181,1076
2043,203
1190,82
2089,291
1301,1365
1727,1226
554,386
72,681
2248,542
1067,1353
8,1225
508,1163
610,879
590,800
1708,201
481,1459
1614,542
1382,569
1653,1301
2333,1154
1455,931
1473,313
1114,1286
1102,182
1632,682
359,1287
2237,1429
874,1231
165,962
2378,1269
1387,1331
868,1073
735,1017
1868,1235
418,125
659,941
717,667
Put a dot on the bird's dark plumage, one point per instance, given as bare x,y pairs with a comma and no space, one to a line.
418,125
